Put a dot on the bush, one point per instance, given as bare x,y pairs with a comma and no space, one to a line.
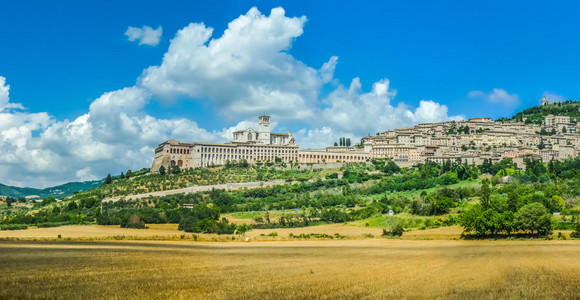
133,222
396,229
13,227
50,224
576,233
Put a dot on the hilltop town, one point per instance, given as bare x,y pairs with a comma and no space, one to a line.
471,141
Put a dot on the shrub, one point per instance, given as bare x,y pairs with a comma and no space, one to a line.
133,222
576,233
13,227
396,230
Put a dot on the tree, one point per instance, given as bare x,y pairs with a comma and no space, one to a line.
391,168
109,179
534,217
348,142
9,201
122,176
129,174
134,221
443,204
242,229
576,233
162,170
48,200
485,192
335,144
564,130
177,170
541,145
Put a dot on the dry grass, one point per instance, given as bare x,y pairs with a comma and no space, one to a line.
330,229
92,231
279,270
170,232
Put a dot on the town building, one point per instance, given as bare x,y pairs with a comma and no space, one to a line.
469,141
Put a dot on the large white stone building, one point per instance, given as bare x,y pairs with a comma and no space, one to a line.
251,145
472,141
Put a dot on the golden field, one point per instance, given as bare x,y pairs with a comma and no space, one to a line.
170,232
372,268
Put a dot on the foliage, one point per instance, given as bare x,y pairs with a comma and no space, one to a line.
395,229
133,222
576,232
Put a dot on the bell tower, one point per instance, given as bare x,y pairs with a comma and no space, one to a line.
264,129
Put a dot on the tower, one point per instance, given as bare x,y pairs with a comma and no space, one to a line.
264,129
544,102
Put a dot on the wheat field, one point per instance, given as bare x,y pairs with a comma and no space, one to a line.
369,269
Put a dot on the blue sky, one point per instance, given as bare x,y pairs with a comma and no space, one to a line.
79,78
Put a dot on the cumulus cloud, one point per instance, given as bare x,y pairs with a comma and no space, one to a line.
496,96
144,35
245,72
114,135
4,97
350,110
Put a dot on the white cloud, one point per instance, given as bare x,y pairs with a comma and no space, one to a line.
496,96
145,35
245,72
4,96
115,135
352,111
85,174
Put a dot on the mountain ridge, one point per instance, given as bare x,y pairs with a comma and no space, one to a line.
59,191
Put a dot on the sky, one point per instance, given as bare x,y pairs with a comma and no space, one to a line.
88,89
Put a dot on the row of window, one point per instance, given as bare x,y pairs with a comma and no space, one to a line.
247,151
332,157
179,151
219,158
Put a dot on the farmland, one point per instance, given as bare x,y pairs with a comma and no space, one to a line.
300,269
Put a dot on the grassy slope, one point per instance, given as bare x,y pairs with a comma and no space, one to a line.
536,114
58,191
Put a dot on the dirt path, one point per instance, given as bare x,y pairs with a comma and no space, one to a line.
201,188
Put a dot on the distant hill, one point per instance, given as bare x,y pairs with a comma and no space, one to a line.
59,191
536,114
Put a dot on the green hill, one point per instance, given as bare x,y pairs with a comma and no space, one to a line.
536,114
58,191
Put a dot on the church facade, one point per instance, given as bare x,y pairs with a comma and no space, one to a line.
249,144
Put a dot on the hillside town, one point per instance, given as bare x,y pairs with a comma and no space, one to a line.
471,141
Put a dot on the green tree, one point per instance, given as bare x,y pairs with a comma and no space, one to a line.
48,200
243,228
9,201
162,170
109,179
177,170
485,192
534,217
391,167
